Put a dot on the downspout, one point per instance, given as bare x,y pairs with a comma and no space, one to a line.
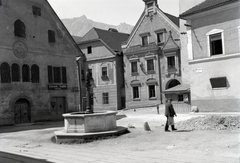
80,84
160,75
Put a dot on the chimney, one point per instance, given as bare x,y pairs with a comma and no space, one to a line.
150,6
112,30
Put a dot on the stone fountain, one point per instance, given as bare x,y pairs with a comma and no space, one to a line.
88,124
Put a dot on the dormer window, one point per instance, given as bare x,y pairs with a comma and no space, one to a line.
36,11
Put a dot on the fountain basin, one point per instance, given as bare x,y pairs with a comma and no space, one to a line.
89,123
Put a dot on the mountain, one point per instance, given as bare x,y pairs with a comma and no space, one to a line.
81,25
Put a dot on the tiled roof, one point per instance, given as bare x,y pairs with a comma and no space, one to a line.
112,39
140,48
77,38
174,19
206,5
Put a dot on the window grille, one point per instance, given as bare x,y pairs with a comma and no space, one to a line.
56,75
105,98
5,73
35,73
150,65
15,73
19,29
25,73
36,11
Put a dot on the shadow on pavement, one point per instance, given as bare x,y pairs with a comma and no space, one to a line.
14,158
183,130
31,126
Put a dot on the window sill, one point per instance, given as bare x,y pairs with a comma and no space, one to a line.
151,72
160,43
136,99
221,88
135,74
153,98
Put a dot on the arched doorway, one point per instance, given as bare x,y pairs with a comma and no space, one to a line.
172,83
22,111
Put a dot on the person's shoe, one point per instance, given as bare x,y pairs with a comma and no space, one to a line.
167,130
174,129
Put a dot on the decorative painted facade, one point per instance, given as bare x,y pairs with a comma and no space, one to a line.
38,75
102,49
152,58
213,46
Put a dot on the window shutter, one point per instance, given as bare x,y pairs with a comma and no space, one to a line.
64,75
50,75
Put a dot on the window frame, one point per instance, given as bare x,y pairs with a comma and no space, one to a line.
171,68
26,76
19,29
89,50
36,11
149,93
133,93
212,82
105,98
6,74
104,71
16,72
51,75
211,33
51,36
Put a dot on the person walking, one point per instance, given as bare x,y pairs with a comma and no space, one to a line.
169,113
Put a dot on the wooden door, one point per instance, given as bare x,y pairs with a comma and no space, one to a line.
21,112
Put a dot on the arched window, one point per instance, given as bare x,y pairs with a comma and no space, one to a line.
15,73
35,73
25,73
5,73
19,29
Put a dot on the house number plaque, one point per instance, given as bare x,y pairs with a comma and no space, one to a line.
20,49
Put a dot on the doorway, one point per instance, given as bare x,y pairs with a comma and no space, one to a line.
58,107
22,111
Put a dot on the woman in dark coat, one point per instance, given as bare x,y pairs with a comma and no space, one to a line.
169,113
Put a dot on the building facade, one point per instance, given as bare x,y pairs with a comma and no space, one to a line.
102,49
152,58
38,75
213,46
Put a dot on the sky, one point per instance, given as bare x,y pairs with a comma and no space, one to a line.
111,12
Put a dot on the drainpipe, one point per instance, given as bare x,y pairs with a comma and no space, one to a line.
160,76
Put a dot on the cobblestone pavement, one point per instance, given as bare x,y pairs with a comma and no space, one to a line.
34,145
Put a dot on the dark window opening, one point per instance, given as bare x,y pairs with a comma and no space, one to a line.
144,40
160,37
151,91
19,29
56,75
216,44
50,74
89,49
220,82
150,65
82,74
135,93
5,73
171,62
134,67
36,11
15,73
105,98
104,71
51,36
0,2
35,73
25,73
180,98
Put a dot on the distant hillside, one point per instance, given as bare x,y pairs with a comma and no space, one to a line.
81,25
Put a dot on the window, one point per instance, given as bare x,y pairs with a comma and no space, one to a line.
134,68
25,73
104,72
89,49
216,46
36,11
57,74
220,82
19,29
160,38
135,92
144,40
151,89
105,98
15,73
35,73
180,97
171,62
51,36
0,2
150,65
5,73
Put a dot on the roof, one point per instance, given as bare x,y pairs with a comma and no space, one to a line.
112,38
77,38
206,5
181,88
174,19
139,48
